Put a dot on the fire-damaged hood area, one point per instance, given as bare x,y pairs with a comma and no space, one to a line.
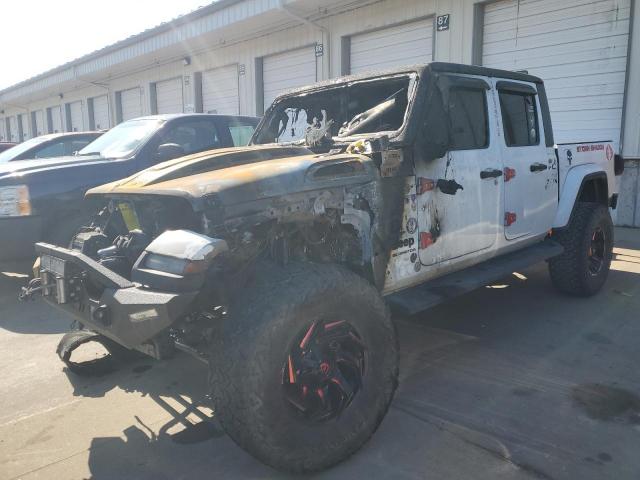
240,175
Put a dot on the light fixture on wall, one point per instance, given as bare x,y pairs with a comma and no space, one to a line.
186,61
61,95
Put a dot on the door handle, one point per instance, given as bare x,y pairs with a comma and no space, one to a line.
538,167
490,173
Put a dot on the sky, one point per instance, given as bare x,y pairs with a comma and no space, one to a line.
38,35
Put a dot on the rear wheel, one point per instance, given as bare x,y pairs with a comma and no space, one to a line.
305,368
588,241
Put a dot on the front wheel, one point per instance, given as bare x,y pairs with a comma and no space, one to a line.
305,367
588,248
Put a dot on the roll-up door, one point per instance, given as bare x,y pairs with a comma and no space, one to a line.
13,129
405,44
3,130
101,112
131,103
220,91
287,70
24,124
56,119
39,121
579,49
169,96
75,115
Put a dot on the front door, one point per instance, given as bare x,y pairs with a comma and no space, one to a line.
531,189
459,196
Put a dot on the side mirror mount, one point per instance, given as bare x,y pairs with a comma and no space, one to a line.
168,151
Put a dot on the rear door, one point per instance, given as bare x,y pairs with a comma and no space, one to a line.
458,196
531,189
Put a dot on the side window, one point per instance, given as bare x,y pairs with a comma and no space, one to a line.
72,146
193,136
468,116
52,150
519,118
240,132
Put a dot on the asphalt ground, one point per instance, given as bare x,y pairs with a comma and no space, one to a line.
511,381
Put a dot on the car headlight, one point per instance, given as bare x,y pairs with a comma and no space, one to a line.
14,201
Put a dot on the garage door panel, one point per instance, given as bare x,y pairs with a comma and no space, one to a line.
404,44
75,110
220,93
287,70
131,103
578,47
170,96
101,112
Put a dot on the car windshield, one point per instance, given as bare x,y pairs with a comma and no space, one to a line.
13,152
362,107
123,140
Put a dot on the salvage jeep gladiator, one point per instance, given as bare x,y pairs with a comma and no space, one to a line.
278,263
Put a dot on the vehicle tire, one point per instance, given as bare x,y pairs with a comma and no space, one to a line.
304,368
588,242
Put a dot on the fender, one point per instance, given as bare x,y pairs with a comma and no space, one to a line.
571,188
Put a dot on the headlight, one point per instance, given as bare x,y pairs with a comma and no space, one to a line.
14,201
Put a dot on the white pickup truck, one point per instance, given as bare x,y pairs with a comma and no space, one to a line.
276,263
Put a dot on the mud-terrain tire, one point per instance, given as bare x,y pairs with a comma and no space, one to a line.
251,359
588,248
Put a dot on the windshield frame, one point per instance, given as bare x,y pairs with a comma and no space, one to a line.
157,123
412,89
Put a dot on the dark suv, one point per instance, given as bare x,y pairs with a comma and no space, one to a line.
42,199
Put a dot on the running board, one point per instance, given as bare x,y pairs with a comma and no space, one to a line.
431,293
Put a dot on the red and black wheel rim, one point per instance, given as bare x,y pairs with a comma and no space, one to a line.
597,251
324,371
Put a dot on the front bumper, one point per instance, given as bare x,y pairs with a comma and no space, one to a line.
104,301
17,237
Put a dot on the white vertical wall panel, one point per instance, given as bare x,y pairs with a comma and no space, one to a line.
287,70
170,96
131,101
101,112
56,119
13,129
3,130
404,44
578,47
26,131
40,123
220,93
77,123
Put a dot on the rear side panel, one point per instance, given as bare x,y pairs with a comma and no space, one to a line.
601,154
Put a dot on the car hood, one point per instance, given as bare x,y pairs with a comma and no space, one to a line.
245,174
19,168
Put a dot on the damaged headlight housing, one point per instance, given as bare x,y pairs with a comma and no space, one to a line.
176,260
15,201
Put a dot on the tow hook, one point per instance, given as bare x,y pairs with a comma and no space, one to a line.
34,286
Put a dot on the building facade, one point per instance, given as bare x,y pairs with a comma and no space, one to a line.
235,56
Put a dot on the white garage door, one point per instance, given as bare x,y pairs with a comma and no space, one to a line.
169,97
39,119
579,48
101,113
75,115
405,44
13,129
24,123
3,130
287,70
220,91
56,119
131,103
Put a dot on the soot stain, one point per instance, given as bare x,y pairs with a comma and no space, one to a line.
141,368
606,403
595,337
199,432
523,391
605,457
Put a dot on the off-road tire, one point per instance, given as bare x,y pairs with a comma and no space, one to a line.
570,271
246,366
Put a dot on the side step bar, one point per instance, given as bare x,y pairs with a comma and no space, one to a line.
432,293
